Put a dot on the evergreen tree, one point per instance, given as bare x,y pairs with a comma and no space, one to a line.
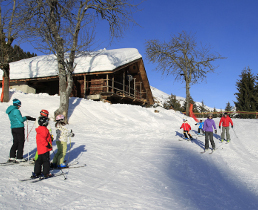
195,109
215,115
173,103
202,109
228,108
247,95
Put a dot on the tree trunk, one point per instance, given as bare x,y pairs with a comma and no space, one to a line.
187,98
65,89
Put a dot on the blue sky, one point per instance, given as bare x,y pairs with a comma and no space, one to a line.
229,26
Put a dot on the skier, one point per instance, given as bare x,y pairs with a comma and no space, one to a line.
44,113
200,129
208,126
44,146
17,127
225,120
186,127
62,134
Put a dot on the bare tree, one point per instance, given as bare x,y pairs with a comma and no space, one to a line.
8,32
69,26
182,58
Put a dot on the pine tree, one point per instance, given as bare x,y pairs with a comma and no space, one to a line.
173,103
215,115
202,109
228,108
195,109
247,95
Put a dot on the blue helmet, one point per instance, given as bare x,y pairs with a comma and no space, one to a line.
16,102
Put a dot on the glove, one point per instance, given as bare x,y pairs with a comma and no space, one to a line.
52,138
219,127
72,134
215,131
195,123
232,126
31,118
49,146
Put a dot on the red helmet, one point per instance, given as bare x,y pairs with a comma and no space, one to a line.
44,113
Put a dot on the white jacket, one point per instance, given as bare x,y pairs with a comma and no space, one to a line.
62,133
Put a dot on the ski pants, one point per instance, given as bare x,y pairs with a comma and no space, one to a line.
43,160
187,133
61,152
200,130
209,137
225,130
18,143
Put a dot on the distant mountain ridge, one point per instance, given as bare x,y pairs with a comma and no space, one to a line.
161,97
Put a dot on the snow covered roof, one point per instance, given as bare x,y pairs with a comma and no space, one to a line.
46,65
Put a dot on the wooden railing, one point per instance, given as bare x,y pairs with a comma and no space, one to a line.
132,90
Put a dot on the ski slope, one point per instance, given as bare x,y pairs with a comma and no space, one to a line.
134,161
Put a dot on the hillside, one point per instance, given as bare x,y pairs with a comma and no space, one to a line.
160,98
134,161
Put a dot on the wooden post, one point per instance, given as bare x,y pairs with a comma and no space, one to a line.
107,84
113,84
124,83
134,87
85,86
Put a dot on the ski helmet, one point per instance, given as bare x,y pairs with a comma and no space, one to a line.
60,117
44,113
43,121
16,102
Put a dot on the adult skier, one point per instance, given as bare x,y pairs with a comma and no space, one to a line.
225,120
208,126
17,127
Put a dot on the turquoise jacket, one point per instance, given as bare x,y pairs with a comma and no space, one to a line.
15,117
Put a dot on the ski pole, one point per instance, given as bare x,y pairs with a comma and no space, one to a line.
28,141
235,132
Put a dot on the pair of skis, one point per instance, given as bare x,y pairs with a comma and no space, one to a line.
209,152
34,180
24,163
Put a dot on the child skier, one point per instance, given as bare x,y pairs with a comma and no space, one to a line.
44,113
200,129
186,127
44,146
62,134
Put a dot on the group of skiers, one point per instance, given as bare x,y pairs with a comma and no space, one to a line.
44,139
207,128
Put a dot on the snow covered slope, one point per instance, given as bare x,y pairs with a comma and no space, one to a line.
134,161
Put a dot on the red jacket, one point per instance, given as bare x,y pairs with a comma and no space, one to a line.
186,127
42,138
225,121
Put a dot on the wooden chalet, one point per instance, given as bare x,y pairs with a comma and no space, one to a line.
124,82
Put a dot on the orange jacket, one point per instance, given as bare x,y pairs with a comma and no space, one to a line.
225,121
186,126
42,139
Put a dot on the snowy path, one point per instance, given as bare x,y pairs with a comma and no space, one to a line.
134,161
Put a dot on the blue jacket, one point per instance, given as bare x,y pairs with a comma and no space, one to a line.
209,124
15,117
200,124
